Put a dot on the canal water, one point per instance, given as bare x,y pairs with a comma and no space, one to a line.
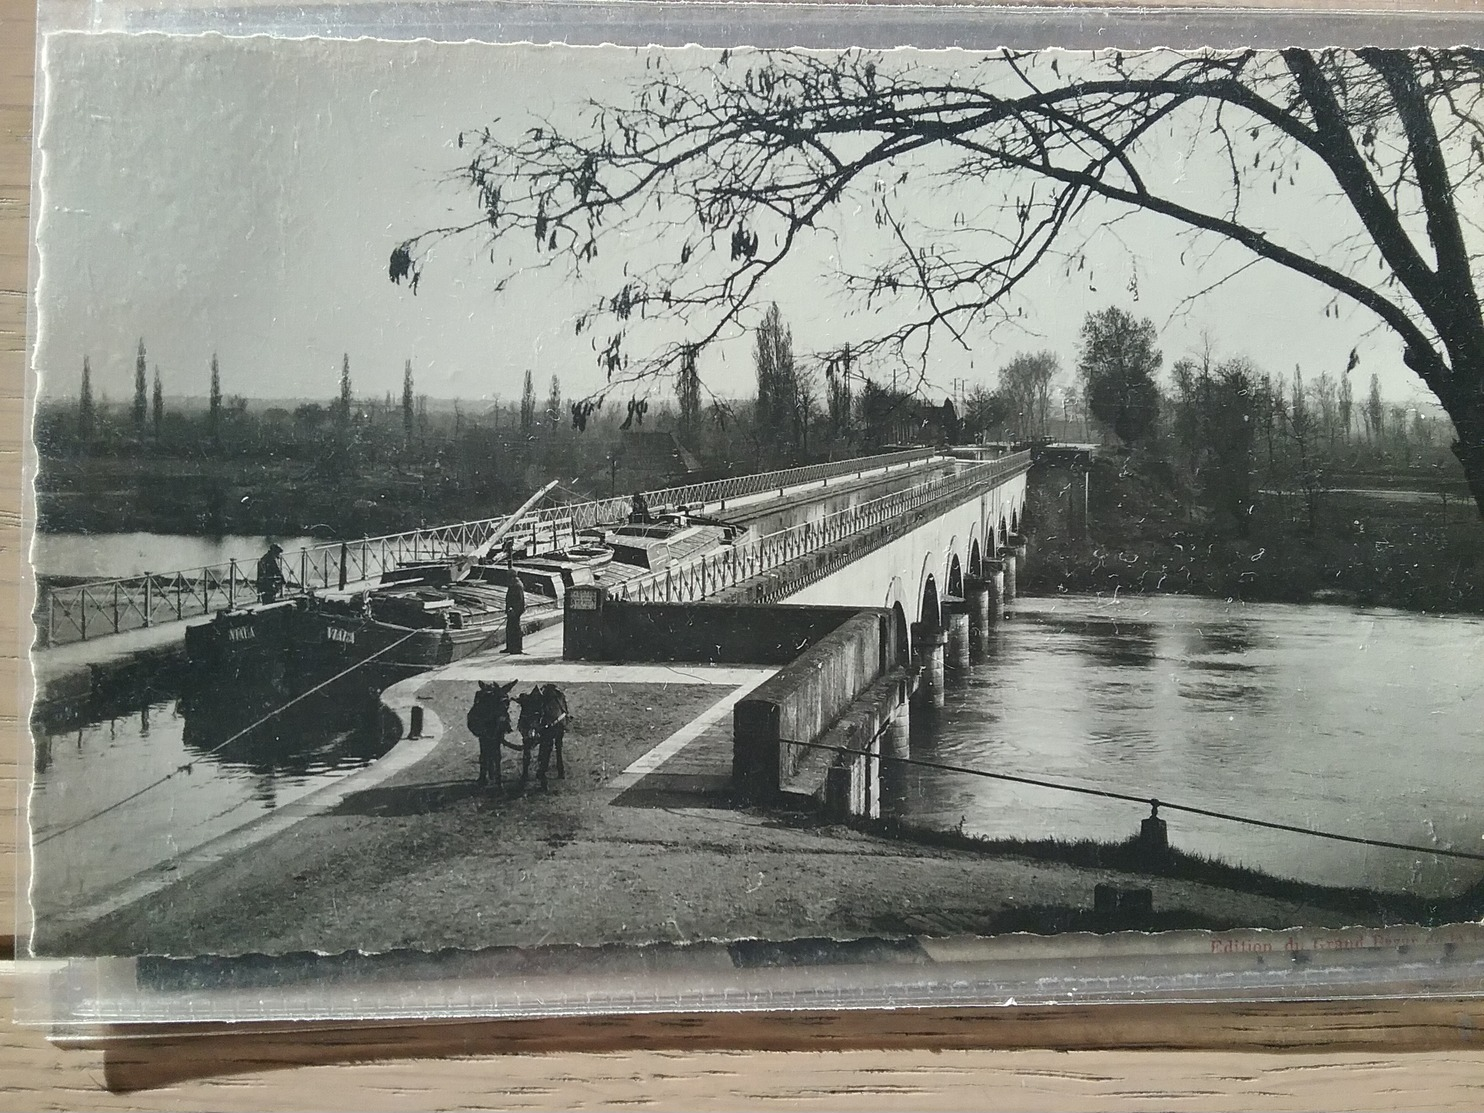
1363,722
92,833
117,555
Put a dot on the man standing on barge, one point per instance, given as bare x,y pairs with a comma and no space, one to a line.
270,578
515,606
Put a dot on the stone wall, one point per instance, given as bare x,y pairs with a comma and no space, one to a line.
804,700
717,633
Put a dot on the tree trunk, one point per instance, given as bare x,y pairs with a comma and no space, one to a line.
1469,447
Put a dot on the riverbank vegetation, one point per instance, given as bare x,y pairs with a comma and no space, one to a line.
357,465
1128,856
1235,483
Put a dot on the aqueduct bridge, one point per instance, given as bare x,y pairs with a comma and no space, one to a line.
931,536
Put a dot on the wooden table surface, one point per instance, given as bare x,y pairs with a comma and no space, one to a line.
1387,1055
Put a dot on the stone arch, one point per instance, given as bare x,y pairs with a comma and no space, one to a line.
1001,533
945,574
894,594
900,606
955,578
931,606
976,557
1014,520
929,603
903,632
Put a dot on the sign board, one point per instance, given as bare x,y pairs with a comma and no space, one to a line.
583,598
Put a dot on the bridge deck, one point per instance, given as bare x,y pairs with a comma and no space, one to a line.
66,672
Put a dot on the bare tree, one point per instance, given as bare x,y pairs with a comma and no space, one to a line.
1025,386
738,160
1346,405
840,399
806,400
1326,402
1302,429
984,412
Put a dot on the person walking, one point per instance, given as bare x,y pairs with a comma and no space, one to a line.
270,575
515,606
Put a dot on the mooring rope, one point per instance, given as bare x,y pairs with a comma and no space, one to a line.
185,767
1153,802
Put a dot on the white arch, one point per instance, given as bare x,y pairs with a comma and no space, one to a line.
894,595
975,545
948,554
925,576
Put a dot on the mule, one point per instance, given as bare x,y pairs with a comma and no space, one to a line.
489,721
542,726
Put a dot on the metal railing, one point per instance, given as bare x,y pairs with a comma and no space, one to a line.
101,608
716,572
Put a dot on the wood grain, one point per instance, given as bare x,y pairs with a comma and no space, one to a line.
1380,1055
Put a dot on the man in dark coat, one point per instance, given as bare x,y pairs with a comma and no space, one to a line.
515,606
270,575
639,509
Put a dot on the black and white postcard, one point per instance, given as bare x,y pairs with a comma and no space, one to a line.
499,496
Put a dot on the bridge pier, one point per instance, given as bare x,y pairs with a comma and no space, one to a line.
957,648
982,596
1008,561
929,646
896,740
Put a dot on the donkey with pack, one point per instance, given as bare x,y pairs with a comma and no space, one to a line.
543,725
489,721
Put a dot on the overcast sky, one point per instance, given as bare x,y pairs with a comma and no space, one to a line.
241,196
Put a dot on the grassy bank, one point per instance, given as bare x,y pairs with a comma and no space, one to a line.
1143,538
1370,905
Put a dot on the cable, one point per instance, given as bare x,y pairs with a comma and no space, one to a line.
186,766
1191,809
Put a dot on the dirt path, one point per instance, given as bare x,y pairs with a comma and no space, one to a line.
425,846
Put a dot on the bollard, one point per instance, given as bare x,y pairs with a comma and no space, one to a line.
1152,847
957,655
416,730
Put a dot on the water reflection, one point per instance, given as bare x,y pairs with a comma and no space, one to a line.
1362,722
201,769
320,732
1112,640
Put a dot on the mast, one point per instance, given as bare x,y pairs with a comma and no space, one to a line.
479,552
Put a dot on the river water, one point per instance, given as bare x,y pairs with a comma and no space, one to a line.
119,555
1363,722
111,799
